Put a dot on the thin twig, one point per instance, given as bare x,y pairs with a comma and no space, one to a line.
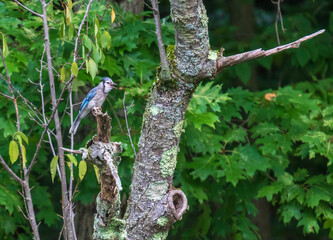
128,129
6,96
115,114
28,9
165,71
4,164
72,151
278,16
224,62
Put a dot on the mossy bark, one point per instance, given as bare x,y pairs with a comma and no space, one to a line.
153,205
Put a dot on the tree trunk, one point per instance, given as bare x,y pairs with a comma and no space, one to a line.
153,205
134,6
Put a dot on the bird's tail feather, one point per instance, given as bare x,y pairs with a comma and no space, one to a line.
75,124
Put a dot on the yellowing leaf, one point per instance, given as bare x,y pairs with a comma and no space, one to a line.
74,69
18,137
53,167
24,155
13,151
62,74
113,15
4,46
25,138
69,17
96,26
82,169
97,173
72,159
70,4
71,169
105,40
92,68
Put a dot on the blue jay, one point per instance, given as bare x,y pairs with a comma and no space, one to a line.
95,98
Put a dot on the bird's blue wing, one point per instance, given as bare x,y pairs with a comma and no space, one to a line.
90,95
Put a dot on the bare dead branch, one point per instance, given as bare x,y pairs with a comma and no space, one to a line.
28,9
225,62
72,151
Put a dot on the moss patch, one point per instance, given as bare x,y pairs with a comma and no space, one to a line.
157,190
155,110
162,221
178,128
114,231
169,161
159,236
213,55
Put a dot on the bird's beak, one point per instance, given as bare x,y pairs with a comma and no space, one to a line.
113,85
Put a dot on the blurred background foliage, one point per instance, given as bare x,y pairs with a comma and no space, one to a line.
255,159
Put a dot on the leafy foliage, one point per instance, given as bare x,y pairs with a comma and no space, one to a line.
273,142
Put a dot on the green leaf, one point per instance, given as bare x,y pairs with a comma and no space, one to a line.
303,56
96,169
53,167
309,223
62,74
24,137
70,31
95,54
243,71
105,39
82,169
270,190
74,69
315,195
290,211
13,151
24,155
62,31
92,68
4,46
198,119
208,95
72,159
87,42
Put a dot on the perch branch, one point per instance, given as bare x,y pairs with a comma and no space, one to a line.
225,62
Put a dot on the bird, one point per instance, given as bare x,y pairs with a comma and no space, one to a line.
95,98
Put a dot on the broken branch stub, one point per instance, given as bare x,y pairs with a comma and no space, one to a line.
104,154
103,125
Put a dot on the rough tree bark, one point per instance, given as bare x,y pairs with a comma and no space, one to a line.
153,205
